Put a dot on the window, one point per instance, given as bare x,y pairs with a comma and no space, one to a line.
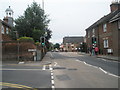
93,31
106,43
2,30
88,34
104,27
7,32
10,14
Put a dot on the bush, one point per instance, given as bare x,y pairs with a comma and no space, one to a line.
37,43
26,39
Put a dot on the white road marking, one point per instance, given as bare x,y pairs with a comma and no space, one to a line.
52,77
104,59
50,67
21,62
44,67
98,68
79,61
85,63
103,70
113,75
51,71
52,81
88,64
51,74
53,87
55,63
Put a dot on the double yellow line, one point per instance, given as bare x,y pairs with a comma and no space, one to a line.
16,86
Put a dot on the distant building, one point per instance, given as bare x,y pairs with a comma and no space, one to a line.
6,25
72,43
104,33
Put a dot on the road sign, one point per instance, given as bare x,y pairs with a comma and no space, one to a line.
32,50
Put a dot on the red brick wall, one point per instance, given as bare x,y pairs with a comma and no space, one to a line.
10,50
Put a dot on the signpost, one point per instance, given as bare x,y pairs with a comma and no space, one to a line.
34,53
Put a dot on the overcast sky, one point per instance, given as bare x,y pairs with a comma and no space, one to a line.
68,17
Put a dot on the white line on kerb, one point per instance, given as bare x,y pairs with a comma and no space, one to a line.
79,61
98,68
104,59
85,63
44,67
113,75
103,70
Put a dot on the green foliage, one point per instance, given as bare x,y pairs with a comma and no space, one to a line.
37,43
26,39
33,23
37,34
57,45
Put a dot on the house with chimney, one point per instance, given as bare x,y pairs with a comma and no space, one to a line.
6,25
72,43
105,33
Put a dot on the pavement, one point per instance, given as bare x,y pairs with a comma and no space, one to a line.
108,57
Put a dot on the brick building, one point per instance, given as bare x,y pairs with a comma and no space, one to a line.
104,32
6,24
72,43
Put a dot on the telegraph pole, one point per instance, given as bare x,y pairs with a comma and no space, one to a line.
43,4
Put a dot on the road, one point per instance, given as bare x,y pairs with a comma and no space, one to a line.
61,70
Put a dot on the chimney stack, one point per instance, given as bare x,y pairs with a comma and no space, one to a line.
115,5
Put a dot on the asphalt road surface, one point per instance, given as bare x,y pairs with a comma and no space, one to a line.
61,70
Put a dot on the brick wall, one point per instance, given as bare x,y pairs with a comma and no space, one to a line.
10,50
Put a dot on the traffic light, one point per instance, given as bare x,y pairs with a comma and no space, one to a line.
94,40
43,41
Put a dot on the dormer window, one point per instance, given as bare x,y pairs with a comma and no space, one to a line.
104,27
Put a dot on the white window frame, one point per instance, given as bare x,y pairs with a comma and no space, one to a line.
88,34
106,44
2,30
93,31
104,27
7,31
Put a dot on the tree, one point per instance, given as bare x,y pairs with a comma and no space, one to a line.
33,23
57,45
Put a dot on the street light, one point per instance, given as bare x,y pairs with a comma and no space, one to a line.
43,4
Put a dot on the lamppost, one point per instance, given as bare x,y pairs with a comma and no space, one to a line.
43,4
